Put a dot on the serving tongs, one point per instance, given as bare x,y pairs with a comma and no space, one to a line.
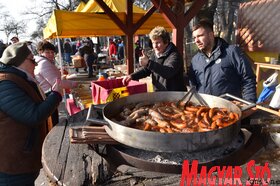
192,92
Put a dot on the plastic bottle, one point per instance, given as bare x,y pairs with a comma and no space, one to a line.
101,78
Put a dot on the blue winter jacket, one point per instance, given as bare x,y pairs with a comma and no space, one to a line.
228,70
19,106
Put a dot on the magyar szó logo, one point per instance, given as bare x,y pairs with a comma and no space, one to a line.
224,175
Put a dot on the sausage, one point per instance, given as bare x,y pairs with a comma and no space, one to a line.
183,117
190,123
202,109
178,124
147,127
213,125
139,112
188,130
141,119
233,116
217,116
236,116
219,122
151,122
168,130
177,110
155,114
166,117
192,109
201,124
203,129
161,123
206,119
212,112
165,111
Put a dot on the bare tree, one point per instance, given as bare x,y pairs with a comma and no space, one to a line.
11,26
43,13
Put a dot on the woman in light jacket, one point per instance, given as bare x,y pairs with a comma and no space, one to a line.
46,72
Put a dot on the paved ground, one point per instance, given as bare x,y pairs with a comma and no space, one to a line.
42,180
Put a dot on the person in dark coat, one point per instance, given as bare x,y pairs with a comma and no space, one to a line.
165,64
24,113
137,52
120,49
220,68
67,48
89,56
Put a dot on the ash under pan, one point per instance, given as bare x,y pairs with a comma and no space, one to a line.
172,162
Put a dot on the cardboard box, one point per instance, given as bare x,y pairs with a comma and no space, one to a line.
109,90
78,62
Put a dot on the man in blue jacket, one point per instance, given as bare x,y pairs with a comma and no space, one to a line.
220,68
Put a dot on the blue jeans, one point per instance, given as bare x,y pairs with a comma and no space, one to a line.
67,57
18,179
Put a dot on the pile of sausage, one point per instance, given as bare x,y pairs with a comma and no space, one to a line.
167,117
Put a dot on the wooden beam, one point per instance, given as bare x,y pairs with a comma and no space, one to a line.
166,12
129,36
178,20
142,20
193,10
112,15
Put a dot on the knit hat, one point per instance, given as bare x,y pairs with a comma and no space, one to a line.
15,54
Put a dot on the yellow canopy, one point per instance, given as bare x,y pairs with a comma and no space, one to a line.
80,7
114,5
66,24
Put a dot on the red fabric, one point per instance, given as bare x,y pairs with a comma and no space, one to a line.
112,49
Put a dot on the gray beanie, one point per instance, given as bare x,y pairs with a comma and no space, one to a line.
15,54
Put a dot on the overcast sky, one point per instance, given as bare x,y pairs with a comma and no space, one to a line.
15,8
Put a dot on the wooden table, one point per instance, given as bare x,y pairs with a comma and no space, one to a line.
78,164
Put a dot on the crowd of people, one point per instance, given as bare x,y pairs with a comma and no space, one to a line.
31,86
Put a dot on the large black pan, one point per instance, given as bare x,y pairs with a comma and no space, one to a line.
166,142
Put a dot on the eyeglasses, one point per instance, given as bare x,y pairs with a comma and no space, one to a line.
32,61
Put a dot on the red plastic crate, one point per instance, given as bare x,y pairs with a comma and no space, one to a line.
109,90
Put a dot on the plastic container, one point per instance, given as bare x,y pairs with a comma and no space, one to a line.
109,90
